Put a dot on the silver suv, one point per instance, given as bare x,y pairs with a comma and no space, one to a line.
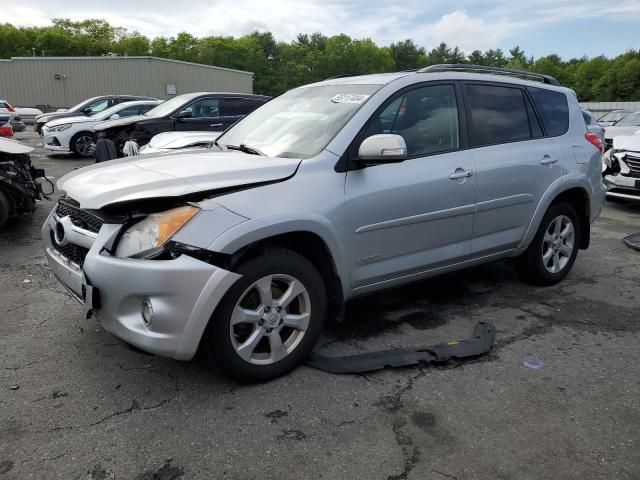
331,191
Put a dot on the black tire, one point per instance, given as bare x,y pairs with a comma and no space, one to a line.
5,209
79,149
218,345
531,266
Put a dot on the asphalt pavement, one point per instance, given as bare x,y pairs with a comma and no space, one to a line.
77,403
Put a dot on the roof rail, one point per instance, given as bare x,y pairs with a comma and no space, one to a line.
462,67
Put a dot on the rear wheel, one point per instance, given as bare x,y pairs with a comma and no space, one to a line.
554,248
270,319
83,144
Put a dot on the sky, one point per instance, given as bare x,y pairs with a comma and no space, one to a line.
570,28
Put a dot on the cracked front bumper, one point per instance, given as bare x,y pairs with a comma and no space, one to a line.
183,294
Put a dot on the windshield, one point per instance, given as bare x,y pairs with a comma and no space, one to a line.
300,123
169,106
613,116
633,119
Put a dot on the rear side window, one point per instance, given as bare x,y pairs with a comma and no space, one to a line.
497,114
553,108
239,106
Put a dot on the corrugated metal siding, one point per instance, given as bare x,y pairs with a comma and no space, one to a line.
31,81
608,106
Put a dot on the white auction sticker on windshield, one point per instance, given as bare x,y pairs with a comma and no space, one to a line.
349,98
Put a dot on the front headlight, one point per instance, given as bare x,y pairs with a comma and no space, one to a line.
149,235
60,128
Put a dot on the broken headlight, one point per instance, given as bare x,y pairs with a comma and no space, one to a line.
147,237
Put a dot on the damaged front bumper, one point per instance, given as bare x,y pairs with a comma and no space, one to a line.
622,186
177,296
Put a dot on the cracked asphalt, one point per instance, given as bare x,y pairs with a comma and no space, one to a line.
77,403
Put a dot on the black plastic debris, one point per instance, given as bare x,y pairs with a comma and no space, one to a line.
633,241
479,343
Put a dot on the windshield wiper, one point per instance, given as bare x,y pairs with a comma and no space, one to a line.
245,149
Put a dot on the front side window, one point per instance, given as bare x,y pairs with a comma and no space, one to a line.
204,108
427,119
553,108
631,120
97,107
497,114
300,123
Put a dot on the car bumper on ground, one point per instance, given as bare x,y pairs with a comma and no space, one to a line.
179,295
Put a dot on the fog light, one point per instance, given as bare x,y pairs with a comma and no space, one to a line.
147,312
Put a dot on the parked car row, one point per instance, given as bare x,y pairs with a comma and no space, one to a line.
124,120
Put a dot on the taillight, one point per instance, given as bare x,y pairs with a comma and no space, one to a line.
10,108
595,141
6,132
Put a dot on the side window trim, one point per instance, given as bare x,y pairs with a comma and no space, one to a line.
538,117
351,153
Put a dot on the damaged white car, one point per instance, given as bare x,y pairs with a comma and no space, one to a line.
622,168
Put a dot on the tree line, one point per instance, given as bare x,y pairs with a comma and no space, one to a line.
279,66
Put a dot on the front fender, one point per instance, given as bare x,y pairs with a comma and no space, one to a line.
255,230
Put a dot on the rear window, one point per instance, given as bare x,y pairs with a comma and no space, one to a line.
553,109
498,114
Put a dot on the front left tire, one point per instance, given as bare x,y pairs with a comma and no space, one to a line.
83,144
269,320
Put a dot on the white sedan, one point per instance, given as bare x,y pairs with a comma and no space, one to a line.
76,134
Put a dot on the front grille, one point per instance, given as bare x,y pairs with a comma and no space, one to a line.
73,253
633,163
80,218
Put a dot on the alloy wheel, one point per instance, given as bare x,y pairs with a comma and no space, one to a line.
558,244
270,319
85,146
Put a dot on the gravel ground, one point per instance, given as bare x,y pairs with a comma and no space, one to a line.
77,403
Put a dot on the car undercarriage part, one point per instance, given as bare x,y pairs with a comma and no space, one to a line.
18,188
105,150
479,343
633,241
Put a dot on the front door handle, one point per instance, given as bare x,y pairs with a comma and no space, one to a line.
215,125
460,173
548,160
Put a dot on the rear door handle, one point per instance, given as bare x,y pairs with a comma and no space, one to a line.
460,173
215,125
547,160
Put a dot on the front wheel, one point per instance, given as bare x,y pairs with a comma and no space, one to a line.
554,248
83,144
269,320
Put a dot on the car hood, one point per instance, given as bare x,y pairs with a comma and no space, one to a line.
176,175
629,143
64,121
55,115
611,132
182,139
120,122
13,146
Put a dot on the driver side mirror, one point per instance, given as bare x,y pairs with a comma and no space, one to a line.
183,114
115,116
382,148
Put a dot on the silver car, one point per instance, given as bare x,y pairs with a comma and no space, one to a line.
333,190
